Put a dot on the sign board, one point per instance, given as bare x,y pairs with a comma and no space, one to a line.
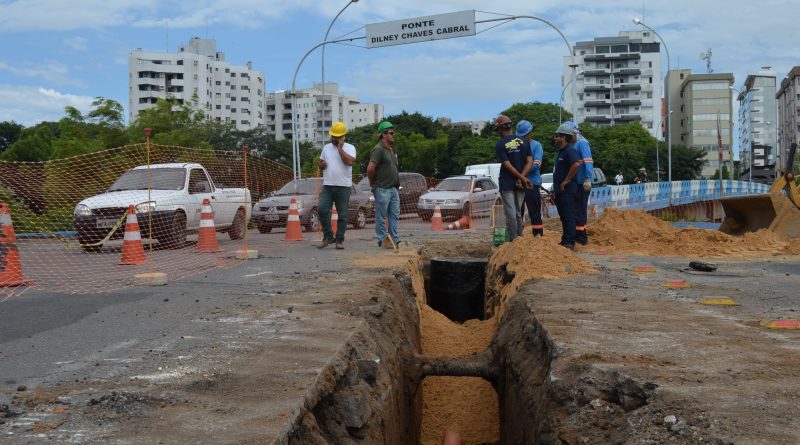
421,29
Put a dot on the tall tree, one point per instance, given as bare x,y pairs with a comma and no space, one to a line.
10,132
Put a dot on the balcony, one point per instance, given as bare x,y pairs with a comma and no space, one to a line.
629,71
628,86
628,117
594,57
647,88
597,118
597,102
596,87
628,101
596,72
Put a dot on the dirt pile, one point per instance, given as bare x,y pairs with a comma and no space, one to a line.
528,258
636,232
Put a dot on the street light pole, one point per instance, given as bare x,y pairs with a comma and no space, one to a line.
669,110
561,98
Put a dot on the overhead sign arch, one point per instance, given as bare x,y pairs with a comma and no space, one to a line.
405,31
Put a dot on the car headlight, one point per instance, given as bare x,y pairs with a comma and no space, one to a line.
82,210
452,201
146,207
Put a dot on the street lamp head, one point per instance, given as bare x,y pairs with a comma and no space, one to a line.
636,21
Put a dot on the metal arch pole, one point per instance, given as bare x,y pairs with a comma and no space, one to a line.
550,24
325,39
295,142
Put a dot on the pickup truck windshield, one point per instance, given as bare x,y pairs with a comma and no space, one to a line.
454,185
301,187
160,179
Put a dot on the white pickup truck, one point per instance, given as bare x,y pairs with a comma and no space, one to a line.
173,204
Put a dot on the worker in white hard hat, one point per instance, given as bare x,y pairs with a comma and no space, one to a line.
336,162
565,187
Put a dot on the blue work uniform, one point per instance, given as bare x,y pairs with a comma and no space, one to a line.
566,198
582,196
533,197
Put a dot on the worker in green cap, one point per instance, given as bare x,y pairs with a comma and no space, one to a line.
384,178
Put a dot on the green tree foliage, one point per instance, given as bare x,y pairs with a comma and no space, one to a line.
173,122
34,144
10,132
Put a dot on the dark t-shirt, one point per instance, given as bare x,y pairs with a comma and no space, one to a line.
514,150
387,174
564,160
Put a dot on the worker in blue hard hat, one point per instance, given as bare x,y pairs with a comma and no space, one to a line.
565,187
585,184
533,197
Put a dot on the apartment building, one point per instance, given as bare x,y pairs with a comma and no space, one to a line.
788,100
224,92
316,112
702,108
617,81
758,127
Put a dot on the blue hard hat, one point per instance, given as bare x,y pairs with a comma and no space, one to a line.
523,128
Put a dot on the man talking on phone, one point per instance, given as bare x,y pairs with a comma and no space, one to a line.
336,163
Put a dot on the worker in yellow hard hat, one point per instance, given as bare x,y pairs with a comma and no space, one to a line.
336,162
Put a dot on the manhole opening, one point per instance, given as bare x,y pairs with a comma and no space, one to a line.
455,287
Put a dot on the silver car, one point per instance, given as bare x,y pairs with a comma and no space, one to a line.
458,196
272,211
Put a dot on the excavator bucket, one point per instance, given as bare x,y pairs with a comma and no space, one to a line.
778,211
773,211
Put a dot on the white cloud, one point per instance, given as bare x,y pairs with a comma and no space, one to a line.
29,105
78,44
54,72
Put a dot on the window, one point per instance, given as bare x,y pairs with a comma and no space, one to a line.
710,86
198,182
180,62
218,83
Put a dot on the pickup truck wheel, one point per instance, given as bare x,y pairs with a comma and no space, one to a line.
361,219
175,235
314,223
239,226
263,228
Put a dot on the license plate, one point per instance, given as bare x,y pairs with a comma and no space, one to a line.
106,223
272,218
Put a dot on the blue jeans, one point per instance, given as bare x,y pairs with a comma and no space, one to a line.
387,204
512,203
328,196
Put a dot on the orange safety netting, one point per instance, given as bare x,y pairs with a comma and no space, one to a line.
70,225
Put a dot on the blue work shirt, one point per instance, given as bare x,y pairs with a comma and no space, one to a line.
536,153
585,157
514,150
564,160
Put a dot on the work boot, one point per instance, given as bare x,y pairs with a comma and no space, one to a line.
538,232
581,237
339,244
324,243
570,246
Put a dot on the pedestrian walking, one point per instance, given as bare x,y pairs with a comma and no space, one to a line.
336,163
514,155
619,179
384,178
565,185
533,196
641,178
584,178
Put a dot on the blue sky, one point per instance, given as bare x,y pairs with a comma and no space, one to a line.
55,53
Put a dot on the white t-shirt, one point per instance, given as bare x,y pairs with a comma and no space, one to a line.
337,172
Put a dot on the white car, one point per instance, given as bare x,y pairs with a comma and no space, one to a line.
458,196
547,182
174,205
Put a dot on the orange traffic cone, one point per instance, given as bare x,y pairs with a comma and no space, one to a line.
462,223
10,266
293,230
436,220
207,234
132,248
334,220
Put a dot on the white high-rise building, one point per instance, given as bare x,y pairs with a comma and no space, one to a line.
316,113
788,99
758,127
225,93
617,81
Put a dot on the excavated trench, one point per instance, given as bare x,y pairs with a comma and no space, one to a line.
410,373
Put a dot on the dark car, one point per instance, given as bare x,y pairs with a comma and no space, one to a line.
272,211
412,186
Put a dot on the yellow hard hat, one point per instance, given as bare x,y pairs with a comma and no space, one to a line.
338,129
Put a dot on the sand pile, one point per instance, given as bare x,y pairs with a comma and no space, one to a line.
638,233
